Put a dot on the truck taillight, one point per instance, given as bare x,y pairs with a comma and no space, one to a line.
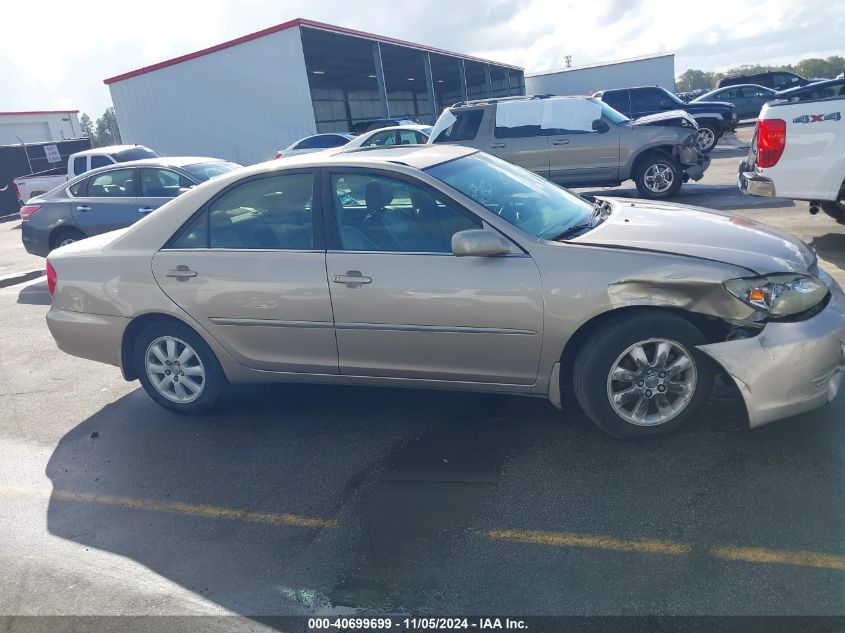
17,191
28,210
771,140
279,154
51,278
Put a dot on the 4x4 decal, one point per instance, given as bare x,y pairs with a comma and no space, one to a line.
816,118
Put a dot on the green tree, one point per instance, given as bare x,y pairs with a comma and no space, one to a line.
692,79
87,127
108,133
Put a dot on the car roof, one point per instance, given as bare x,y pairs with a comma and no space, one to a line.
170,161
415,126
108,149
812,86
416,156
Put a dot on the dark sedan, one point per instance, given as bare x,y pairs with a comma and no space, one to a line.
748,98
110,198
812,92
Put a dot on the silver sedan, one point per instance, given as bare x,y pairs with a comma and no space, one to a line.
443,267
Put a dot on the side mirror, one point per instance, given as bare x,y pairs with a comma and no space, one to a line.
600,126
479,243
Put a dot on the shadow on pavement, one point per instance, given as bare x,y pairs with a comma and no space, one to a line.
35,294
831,248
414,478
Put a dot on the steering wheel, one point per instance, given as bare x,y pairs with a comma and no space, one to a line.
514,210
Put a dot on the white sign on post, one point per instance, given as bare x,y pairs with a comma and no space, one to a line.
52,153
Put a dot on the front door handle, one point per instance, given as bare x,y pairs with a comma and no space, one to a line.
181,272
145,210
561,141
83,207
352,279
498,145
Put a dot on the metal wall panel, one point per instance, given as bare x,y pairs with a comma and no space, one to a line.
652,71
241,103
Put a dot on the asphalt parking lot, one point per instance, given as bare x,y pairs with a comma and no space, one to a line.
303,499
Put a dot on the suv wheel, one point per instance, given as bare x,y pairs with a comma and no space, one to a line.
658,176
836,210
642,376
706,138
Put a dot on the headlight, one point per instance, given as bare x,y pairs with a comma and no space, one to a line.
779,295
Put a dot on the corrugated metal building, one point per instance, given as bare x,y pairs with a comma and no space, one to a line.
244,99
38,126
651,70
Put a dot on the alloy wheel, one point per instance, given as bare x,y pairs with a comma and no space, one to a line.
175,369
705,139
658,178
651,382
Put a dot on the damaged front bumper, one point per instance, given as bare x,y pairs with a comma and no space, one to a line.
788,368
693,163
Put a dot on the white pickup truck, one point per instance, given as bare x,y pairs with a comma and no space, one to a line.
28,187
798,151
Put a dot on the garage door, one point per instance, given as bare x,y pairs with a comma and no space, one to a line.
28,132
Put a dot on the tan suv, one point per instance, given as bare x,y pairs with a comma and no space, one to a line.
580,141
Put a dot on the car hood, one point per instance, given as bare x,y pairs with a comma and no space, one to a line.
701,233
665,118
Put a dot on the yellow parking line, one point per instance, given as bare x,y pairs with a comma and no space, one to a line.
648,546
781,557
177,507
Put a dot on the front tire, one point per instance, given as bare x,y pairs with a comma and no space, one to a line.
177,368
642,376
658,177
706,138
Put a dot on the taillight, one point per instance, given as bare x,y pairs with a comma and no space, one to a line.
771,140
28,210
51,278
279,154
17,191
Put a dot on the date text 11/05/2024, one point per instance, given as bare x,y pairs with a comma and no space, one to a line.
416,624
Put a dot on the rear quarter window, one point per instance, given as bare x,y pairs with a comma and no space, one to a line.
463,128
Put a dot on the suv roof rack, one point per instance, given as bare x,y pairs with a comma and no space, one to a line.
490,100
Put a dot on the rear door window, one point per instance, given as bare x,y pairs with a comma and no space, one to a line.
100,161
80,165
117,183
618,100
463,128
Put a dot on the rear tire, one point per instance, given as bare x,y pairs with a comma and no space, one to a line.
836,210
65,236
654,391
658,176
177,368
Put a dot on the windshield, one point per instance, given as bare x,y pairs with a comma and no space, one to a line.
610,114
207,171
524,199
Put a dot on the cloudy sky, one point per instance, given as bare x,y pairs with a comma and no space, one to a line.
73,46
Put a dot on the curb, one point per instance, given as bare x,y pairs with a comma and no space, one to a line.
17,278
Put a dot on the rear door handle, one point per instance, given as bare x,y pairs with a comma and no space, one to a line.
352,279
83,207
145,210
498,145
181,272
561,141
